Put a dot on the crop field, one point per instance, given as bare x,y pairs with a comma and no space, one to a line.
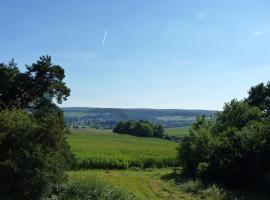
177,132
143,184
103,149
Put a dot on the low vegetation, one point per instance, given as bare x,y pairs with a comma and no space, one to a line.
89,188
104,149
142,184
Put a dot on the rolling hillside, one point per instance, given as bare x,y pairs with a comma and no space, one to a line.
108,117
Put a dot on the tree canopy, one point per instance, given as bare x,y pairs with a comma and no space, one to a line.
233,148
34,152
140,128
37,87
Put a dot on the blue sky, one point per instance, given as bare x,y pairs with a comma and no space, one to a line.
144,54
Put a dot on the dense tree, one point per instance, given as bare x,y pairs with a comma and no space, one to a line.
34,152
37,87
236,114
259,96
141,128
158,131
233,147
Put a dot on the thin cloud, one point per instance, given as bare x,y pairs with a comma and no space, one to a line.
104,37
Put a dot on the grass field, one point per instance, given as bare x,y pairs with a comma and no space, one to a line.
99,149
177,133
143,184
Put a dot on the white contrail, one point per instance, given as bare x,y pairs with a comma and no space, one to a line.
104,37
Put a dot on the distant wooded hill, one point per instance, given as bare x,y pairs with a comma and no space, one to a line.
107,118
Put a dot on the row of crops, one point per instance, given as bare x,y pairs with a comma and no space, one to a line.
106,150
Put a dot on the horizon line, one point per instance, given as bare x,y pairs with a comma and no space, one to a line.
138,108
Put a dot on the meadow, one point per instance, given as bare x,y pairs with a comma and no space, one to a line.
143,184
102,149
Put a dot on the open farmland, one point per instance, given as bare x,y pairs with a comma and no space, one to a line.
107,150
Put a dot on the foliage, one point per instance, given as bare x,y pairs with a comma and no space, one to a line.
259,97
93,189
36,87
141,128
32,160
103,149
34,152
211,192
231,149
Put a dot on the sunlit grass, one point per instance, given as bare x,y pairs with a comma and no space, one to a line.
104,149
144,184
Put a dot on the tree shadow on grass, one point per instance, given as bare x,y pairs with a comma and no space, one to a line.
186,184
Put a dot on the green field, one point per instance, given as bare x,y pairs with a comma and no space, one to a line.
104,149
177,132
143,184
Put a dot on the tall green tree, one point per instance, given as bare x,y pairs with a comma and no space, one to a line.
259,96
34,152
232,148
36,88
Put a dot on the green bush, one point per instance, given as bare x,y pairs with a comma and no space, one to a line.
191,186
92,189
32,160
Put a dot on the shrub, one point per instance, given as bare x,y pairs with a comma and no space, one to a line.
92,189
191,186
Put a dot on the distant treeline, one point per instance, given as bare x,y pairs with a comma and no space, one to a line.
140,128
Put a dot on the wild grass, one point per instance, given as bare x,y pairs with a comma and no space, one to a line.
90,188
106,150
144,184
